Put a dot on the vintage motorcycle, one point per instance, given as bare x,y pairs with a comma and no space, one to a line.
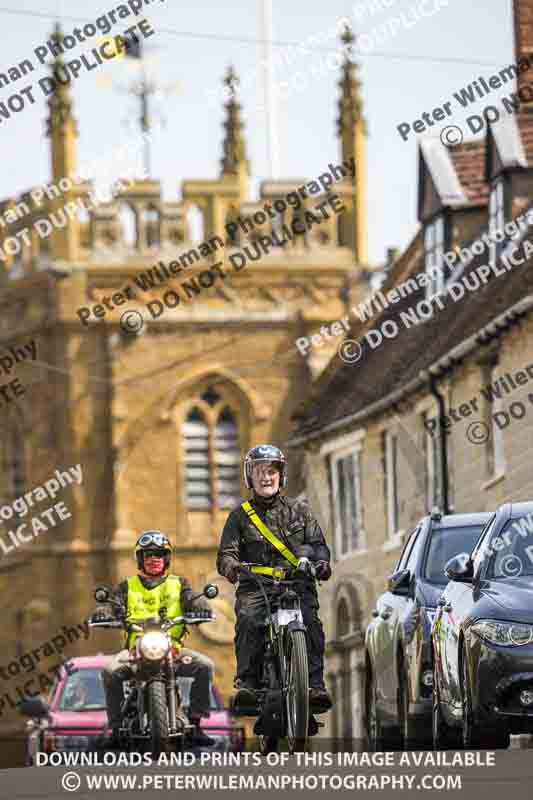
283,699
152,716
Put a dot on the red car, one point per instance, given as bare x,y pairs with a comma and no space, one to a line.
77,713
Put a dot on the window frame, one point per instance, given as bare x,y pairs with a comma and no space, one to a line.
497,218
391,483
496,462
211,415
436,230
484,536
406,552
432,461
353,451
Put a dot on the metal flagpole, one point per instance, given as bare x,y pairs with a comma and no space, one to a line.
270,100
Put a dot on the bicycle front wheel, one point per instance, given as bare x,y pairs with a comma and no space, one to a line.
297,696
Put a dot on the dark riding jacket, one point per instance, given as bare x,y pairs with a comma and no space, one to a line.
290,519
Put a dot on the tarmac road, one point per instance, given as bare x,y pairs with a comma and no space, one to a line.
512,776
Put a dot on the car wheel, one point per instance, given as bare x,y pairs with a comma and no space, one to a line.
444,736
413,735
373,728
476,737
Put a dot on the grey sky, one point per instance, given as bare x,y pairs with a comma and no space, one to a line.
396,86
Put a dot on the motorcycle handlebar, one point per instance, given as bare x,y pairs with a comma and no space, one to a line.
131,624
304,567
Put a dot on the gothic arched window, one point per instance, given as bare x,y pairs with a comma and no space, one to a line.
212,454
343,618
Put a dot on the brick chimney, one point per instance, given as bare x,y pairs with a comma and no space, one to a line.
523,37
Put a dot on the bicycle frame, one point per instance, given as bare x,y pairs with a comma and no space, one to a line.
287,617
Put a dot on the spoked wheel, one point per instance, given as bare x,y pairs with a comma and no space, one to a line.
297,697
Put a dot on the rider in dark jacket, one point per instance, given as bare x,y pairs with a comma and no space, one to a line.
293,523
153,587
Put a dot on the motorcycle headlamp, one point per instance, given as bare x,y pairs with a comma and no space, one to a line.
504,634
154,645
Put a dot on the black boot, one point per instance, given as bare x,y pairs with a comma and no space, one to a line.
110,741
319,699
199,737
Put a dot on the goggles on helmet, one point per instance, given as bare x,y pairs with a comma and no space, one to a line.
154,540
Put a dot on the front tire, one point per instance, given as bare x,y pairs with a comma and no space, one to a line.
444,737
476,737
412,733
157,704
297,698
373,728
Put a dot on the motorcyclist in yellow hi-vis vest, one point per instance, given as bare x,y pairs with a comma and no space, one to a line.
143,595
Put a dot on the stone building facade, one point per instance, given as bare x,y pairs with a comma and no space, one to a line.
452,320
159,420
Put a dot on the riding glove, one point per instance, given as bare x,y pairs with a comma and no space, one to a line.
323,570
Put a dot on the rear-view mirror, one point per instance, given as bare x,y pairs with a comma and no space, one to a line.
34,707
210,591
460,568
398,582
101,594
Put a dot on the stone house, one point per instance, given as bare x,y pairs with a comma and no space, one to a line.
429,402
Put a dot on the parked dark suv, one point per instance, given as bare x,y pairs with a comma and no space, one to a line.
399,674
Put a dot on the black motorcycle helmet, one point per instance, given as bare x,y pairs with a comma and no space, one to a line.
261,454
153,543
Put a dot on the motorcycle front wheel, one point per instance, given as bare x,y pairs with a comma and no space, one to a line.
297,687
157,704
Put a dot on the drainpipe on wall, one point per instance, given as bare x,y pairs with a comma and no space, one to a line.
442,444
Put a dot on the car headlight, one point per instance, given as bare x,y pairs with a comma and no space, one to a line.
154,645
505,634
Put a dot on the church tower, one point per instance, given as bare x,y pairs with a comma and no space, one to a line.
62,129
351,128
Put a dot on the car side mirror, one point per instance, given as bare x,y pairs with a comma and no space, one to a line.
210,591
102,594
34,707
460,568
399,582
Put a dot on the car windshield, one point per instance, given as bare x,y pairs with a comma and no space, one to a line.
511,551
83,691
445,543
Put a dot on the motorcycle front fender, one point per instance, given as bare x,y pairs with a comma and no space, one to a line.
294,625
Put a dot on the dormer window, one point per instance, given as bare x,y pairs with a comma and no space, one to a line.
434,256
496,220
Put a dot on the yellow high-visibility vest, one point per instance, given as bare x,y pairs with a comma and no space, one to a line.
144,602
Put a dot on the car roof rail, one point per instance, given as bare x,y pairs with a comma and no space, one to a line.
435,514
